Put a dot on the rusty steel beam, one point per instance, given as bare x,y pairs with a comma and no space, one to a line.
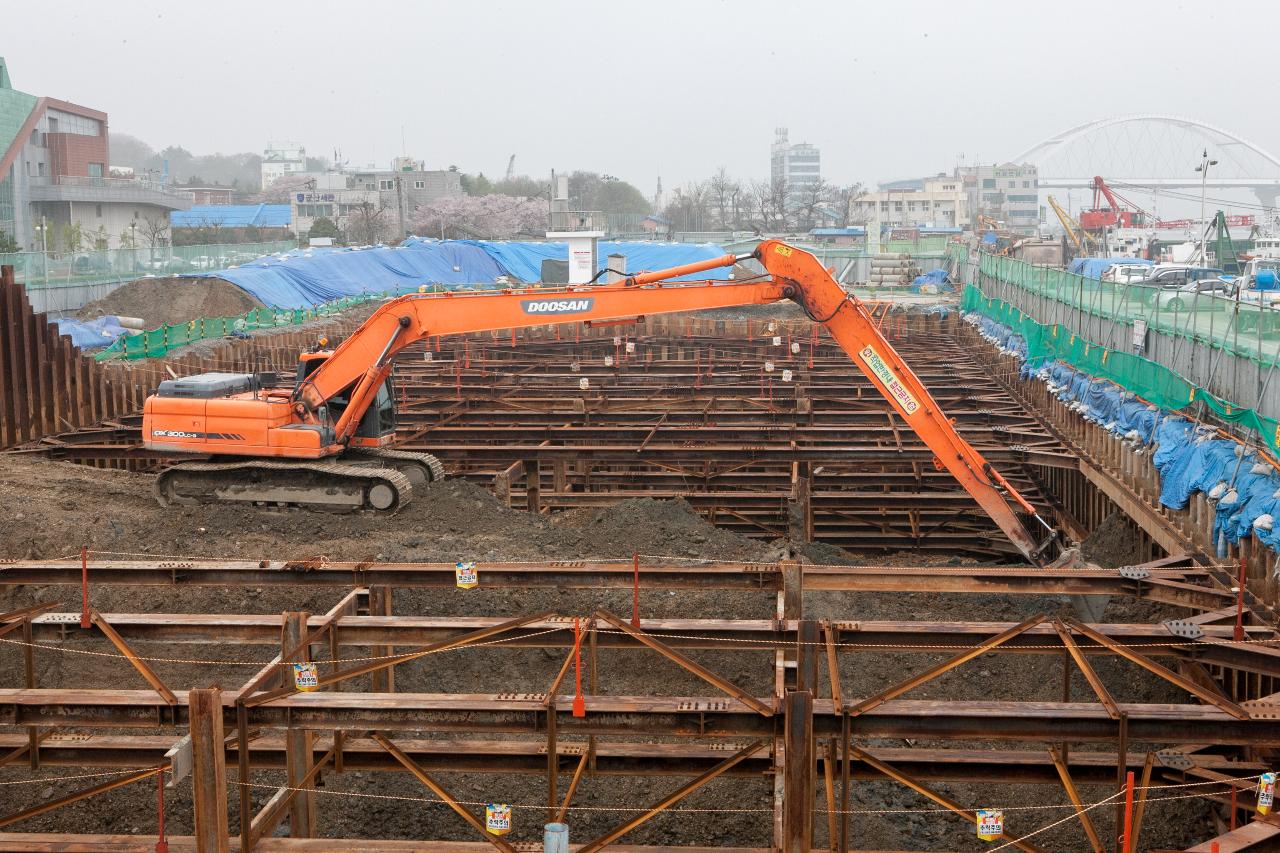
699,716
526,757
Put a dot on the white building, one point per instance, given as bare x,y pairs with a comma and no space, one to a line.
799,165
940,201
1006,192
281,159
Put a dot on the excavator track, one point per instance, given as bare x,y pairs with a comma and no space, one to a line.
328,486
420,468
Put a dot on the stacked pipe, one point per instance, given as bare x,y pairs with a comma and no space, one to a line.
893,269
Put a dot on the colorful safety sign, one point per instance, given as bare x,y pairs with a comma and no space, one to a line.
466,575
497,818
990,824
305,677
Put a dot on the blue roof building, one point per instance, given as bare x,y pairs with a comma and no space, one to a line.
232,216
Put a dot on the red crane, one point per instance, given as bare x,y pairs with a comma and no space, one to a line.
1119,212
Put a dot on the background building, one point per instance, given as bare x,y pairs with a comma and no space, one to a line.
937,201
371,201
1007,192
55,189
281,159
798,165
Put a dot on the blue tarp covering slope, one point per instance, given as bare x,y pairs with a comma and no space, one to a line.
524,260
306,278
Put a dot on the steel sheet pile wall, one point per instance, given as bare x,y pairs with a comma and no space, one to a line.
48,386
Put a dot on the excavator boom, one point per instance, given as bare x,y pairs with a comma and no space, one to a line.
300,425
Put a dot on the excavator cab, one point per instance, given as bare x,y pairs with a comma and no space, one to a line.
377,426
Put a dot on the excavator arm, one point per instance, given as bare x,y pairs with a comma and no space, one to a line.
360,365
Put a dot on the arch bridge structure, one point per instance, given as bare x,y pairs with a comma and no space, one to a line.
1154,151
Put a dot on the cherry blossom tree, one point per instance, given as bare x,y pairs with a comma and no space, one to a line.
494,217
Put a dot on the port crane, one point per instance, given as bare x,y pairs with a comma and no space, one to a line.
325,442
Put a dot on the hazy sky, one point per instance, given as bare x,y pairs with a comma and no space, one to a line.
637,89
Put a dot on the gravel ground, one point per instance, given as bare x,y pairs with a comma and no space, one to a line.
55,508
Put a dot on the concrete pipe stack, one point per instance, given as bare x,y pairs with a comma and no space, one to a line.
892,269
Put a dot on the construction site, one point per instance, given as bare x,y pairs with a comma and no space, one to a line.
784,561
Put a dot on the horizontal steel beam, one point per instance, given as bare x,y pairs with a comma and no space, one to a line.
866,637
697,717
1168,585
613,758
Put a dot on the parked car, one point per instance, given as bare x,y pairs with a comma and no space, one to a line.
1122,273
1174,276
1209,294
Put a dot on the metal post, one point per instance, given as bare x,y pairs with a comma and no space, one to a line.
798,774
208,771
299,742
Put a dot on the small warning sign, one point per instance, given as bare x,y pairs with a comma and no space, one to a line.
990,824
497,818
305,677
1266,792
466,575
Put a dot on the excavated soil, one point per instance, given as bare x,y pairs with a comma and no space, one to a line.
172,300
54,508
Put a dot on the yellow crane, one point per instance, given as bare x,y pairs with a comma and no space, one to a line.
1079,238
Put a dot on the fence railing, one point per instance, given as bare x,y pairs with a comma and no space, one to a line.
1244,327
38,269
158,342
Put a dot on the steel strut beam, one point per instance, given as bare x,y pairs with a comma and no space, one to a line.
671,799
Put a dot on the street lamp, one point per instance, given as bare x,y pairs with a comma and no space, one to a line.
1203,169
43,228
133,243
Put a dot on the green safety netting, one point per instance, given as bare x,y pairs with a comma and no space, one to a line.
1151,381
159,342
1244,329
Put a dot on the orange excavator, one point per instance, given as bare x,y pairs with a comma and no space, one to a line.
325,442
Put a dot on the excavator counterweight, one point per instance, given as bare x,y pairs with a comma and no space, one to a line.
324,443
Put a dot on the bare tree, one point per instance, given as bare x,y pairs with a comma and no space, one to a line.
846,196
689,209
808,199
155,229
724,192
367,224
768,205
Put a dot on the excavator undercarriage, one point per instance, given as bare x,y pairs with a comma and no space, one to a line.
377,480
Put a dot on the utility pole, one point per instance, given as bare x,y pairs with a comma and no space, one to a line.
400,206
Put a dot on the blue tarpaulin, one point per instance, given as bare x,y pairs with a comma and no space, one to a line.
309,277
305,278
91,334
1095,267
1243,489
524,260
938,278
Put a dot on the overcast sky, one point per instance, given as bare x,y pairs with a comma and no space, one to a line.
637,89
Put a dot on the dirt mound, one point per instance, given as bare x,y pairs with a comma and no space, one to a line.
172,300
649,526
1114,543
